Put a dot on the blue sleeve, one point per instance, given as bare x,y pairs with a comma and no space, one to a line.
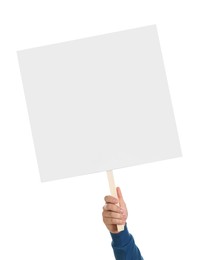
124,246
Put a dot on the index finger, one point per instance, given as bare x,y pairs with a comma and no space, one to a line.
111,199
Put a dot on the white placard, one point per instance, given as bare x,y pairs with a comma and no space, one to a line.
99,103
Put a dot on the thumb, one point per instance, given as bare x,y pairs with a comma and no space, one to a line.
120,197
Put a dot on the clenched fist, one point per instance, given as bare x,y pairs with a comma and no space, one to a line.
113,214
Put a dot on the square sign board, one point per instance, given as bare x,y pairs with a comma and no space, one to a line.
99,103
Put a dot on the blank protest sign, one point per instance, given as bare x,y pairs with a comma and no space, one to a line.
99,103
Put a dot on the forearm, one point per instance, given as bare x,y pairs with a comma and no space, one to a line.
124,246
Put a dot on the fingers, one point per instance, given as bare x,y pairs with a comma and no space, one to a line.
120,197
111,199
113,207
110,217
110,214
119,193
115,221
114,211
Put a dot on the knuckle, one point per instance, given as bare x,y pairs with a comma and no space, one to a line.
109,207
113,220
118,209
115,208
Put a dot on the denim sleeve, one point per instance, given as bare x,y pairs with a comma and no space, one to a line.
124,246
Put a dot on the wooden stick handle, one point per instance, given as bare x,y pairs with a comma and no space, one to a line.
113,192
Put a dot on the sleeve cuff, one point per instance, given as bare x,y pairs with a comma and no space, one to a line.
122,238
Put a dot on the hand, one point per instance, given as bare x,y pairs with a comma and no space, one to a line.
113,214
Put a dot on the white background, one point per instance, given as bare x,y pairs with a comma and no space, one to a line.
169,202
